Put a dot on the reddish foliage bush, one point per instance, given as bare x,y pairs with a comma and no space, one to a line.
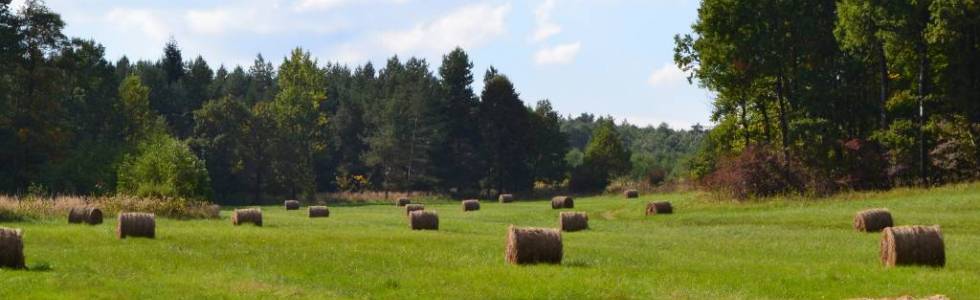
758,171
864,165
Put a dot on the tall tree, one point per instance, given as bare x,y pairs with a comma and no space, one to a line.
409,127
605,157
36,111
261,81
300,124
462,163
505,126
548,145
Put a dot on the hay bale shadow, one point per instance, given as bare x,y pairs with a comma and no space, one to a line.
576,264
39,267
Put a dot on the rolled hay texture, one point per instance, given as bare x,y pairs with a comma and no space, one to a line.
291,204
134,224
87,215
11,248
247,215
913,245
533,245
573,221
560,202
413,207
632,194
403,201
660,207
319,212
505,198
471,205
872,220
423,220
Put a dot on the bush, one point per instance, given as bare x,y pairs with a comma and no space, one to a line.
758,171
588,179
955,156
864,165
164,167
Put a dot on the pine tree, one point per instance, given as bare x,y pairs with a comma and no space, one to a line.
505,126
461,166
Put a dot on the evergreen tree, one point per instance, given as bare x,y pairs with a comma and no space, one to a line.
461,164
261,81
505,127
548,145
408,128
605,157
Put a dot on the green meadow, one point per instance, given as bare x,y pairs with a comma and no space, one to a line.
707,249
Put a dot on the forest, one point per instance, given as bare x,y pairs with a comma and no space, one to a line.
814,97
73,122
810,98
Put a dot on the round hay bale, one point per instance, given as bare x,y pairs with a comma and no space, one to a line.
913,245
631,194
533,245
403,202
319,212
559,202
291,204
505,198
413,207
134,224
247,215
471,205
573,221
872,220
423,220
87,215
11,248
660,207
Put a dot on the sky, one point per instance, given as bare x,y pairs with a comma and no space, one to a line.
606,57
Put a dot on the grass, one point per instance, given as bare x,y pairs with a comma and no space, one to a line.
776,249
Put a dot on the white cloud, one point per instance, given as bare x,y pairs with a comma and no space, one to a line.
148,23
215,21
560,54
261,17
667,75
322,5
542,17
468,27
304,5
348,54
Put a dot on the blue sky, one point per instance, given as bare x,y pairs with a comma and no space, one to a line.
607,57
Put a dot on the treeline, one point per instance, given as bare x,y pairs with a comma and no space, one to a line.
816,96
658,154
73,122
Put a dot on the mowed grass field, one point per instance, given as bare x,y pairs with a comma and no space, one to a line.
777,249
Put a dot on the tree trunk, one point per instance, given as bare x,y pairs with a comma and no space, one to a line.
783,123
883,81
923,69
745,122
765,121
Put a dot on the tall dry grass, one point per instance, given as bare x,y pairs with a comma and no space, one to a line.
14,208
374,196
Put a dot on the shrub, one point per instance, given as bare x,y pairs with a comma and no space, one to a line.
588,179
864,165
900,140
164,167
955,156
758,171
